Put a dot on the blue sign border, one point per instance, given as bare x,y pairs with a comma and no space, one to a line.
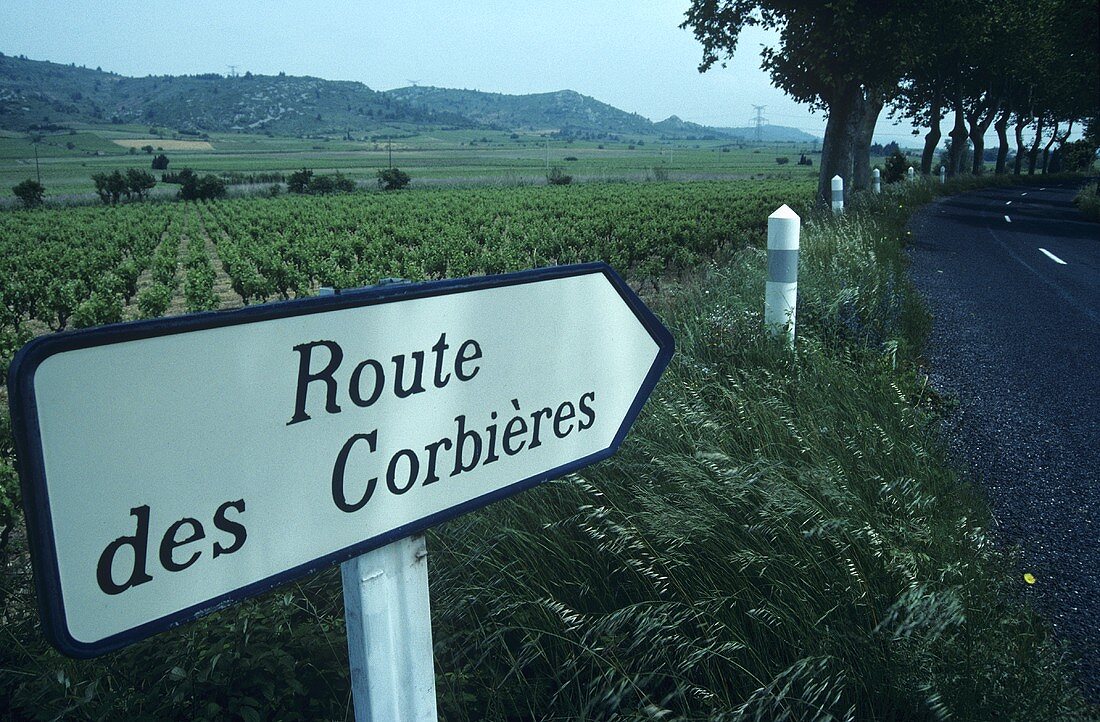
28,441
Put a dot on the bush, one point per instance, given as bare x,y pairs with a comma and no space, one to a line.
1077,156
30,192
391,179
897,167
782,161
299,181
207,187
154,300
160,162
558,177
1088,201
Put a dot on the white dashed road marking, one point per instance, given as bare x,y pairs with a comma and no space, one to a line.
1053,257
1008,220
1008,203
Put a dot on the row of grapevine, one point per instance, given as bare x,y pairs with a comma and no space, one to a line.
79,267
283,249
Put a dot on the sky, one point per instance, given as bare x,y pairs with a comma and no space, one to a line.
633,55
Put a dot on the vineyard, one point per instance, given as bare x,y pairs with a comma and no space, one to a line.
82,267
781,536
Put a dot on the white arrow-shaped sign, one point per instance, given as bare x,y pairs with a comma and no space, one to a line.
173,466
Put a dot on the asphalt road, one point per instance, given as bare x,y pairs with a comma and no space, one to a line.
1012,277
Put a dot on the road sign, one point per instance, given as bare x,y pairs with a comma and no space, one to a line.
173,466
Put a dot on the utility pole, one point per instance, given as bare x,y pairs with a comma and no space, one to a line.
37,170
547,155
759,120
389,144
232,70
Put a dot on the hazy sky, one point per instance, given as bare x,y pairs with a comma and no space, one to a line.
632,55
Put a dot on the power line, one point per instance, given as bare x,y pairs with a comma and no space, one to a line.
759,120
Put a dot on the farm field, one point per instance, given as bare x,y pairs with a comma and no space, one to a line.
84,266
438,157
780,532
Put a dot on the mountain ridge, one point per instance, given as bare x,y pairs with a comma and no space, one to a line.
39,95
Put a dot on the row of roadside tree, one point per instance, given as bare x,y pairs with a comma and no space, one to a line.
1028,65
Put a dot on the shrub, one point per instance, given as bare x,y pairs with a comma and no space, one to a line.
160,162
299,181
558,177
30,192
782,161
897,165
660,173
1088,201
391,179
196,188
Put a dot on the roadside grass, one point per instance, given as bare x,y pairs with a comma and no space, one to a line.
782,536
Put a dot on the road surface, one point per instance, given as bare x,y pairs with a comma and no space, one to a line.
1012,277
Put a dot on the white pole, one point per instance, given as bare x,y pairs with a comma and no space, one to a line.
943,175
781,288
912,174
838,195
876,181
389,623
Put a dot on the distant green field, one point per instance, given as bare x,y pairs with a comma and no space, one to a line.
66,161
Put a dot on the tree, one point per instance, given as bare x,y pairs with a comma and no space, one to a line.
830,55
30,192
391,179
897,167
196,188
299,181
160,162
110,186
139,183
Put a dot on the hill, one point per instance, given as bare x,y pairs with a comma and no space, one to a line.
43,96
770,134
564,111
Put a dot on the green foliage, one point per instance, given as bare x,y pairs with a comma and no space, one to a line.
30,192
392,179
160,162
1088,201
110,187
194,188
897,167
299,181
558,177
100,308
781,536
304,181
1077,156
154,300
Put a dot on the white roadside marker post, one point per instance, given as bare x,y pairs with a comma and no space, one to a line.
876,181
943,175
781,288
389,624
912,173
837,194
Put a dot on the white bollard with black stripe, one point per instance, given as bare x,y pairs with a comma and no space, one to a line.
943,175
781,288
838,195
876,181
912,173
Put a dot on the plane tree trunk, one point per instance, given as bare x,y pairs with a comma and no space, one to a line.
1001,126
932,138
